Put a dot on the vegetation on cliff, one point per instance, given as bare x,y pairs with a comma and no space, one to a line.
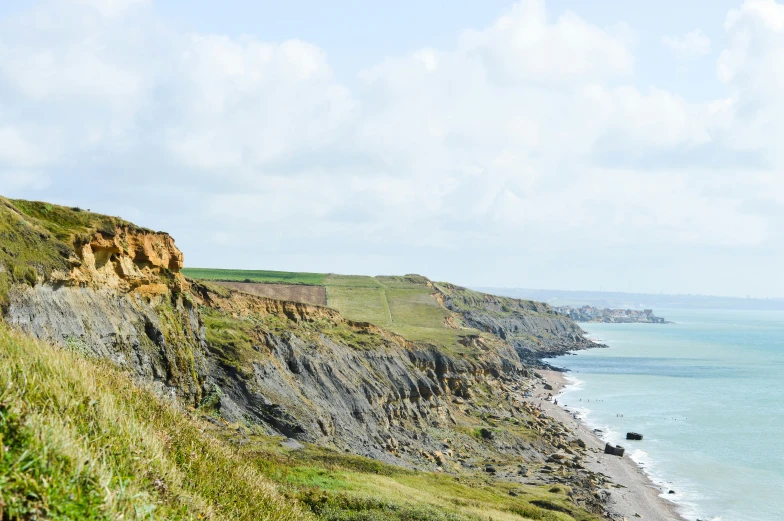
261,276
80,440
451,318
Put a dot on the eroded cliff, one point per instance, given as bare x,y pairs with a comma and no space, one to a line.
534,329
113,290
105,287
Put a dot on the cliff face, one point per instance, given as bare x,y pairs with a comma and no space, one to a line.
113,290
125,259
156,337
534,329
106,288
306,372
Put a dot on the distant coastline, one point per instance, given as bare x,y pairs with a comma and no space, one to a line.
610,316
617,300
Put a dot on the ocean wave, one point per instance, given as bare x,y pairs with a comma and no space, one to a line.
686,494
572,384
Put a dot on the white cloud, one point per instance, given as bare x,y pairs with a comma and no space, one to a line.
689,46
249,104
752,69
525,45
529,132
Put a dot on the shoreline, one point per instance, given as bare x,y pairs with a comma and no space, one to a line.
637,497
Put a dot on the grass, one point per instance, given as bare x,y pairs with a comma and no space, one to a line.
231,339
468,299
27,249
361,304
65,223
81,441
271,277
340,487
404,305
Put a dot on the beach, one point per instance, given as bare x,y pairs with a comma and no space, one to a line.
630,493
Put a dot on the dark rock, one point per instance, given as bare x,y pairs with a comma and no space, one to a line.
615,450
486,433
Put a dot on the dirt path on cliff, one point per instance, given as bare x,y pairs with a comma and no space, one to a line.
639,497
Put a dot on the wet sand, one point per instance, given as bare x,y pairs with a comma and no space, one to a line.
638,498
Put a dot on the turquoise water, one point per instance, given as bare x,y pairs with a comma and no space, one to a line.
708,395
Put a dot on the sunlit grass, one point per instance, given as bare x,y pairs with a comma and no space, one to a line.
81,441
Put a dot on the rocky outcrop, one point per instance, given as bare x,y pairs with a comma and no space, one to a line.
534,329
124,259
317,388
158,338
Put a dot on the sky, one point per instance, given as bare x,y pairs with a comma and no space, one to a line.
562,144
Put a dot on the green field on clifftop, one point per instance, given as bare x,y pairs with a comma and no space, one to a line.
264,276
404,305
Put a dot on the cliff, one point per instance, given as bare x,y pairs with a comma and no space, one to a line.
401,394
102,286
534,329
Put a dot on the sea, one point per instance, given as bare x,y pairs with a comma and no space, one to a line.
706,392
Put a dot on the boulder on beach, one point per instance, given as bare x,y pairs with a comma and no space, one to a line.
615,450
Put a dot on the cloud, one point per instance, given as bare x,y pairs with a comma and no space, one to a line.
695,44
751,68
524,45
18,148
527,133
246,104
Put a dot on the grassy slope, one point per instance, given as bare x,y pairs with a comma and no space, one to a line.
79,440
404,305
